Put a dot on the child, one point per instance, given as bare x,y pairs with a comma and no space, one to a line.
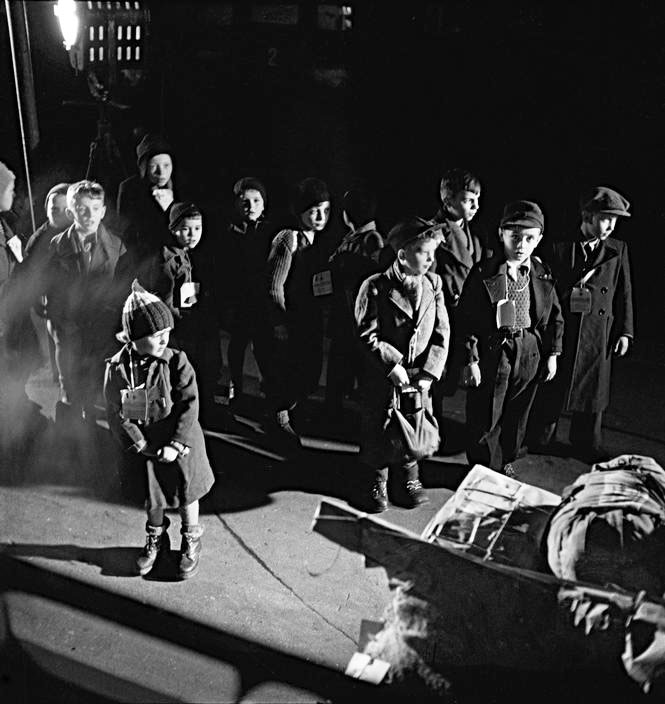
37,253
144,200
460,249
593,279
170,275
247,248
403,328
298,278
81,300
512,326
152,405
354,260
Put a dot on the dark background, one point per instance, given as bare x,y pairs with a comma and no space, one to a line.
541,100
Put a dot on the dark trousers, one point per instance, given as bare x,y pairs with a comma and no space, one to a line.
498,410
291,368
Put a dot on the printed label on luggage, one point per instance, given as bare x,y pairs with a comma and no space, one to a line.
580,300
134,403
505,313
322,283
189,294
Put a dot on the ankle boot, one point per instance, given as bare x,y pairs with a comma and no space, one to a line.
410,493
286,433
378,496
157,543
190,551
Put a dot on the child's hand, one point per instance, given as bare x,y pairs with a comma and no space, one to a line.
281,333
621,346
398,376
167,454
471,375
550,368
423,381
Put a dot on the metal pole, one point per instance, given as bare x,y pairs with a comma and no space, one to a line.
28,77
20,111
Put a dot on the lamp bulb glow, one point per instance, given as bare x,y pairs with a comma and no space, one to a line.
65,11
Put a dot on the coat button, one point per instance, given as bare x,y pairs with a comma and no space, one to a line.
601,311
603,289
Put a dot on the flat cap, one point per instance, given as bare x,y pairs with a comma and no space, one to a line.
602,199
410,228
523,213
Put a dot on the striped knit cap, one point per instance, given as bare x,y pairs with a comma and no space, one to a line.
144,314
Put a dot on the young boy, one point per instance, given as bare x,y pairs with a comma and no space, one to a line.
460,249
298,278
512,326
152,406
355,258
170,276
247,247
81,300
593,279
404,333
37,254
144,200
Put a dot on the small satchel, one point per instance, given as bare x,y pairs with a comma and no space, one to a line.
411,430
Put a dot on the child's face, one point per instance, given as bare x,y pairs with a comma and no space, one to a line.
417,258
56,211
188,232
316,217
518,244
7,198
601,226
153,345
464,205
87,213
159,169
250,204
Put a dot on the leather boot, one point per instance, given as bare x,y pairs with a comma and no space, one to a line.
157,543
377,501
190,551
410,492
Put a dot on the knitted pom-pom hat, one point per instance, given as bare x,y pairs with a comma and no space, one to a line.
144,314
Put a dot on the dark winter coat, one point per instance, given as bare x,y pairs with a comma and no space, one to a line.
485,286
145,226
36,262
172,416
453,261
590,338
391,332
165,275
74,295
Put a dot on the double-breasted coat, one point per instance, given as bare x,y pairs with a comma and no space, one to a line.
391,332
583,381
173,410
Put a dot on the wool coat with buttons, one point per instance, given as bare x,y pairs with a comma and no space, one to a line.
589,340
173,410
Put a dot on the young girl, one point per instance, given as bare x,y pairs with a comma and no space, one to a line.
152,406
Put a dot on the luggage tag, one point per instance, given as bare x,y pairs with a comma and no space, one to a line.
580,300
134,404
505,313
189,292
322,283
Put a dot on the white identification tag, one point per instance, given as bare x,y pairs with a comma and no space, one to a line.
322,283
363,667
134,403
14,243
505,313
189,294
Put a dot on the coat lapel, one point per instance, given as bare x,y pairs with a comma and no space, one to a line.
426,300
496,285
541,285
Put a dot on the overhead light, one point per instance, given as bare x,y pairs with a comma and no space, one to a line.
65,11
